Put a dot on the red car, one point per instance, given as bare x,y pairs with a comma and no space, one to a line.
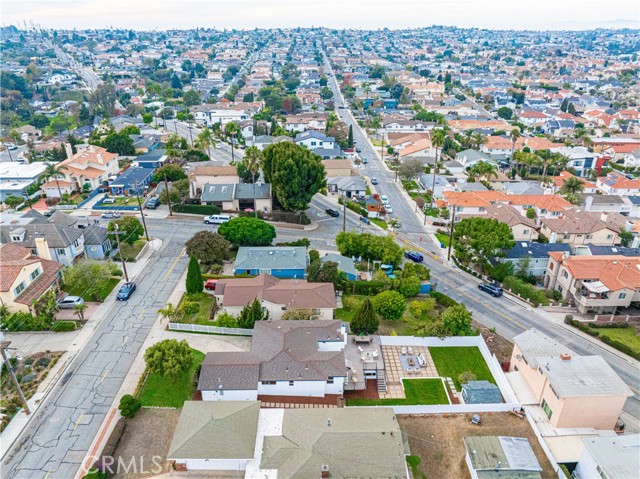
210,284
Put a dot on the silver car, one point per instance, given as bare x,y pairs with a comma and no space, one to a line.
70,302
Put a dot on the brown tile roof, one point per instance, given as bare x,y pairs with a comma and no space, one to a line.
559,180
205,170
577,222
50,275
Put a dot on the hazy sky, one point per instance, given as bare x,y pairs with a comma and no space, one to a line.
163,14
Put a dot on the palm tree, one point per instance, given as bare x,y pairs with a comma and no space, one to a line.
253,159
483,170
205,138
571,188
231,130
79,310
217,132
514,135
478,139
437,140
168,312
51,171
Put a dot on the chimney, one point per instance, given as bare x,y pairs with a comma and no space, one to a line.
604,216
324,472
99,157
68,150
42,247
565,357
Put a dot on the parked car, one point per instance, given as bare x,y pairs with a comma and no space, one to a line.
384,200
414,256
153,203
110,215
359,150
365,161
210,284
216,219
374,181
388,209
491,288
365,220
126,290
332,212
70,302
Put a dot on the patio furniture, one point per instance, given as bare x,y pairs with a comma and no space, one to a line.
410,350
376,353
363,339
363,357
403,351
422,360
411,361
360,349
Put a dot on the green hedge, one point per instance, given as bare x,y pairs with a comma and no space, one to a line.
620,347
368,287
443,299
197,209
525,290
64,326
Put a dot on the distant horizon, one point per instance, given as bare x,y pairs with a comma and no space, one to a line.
150,15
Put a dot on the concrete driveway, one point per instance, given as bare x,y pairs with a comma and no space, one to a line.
208,343
71,314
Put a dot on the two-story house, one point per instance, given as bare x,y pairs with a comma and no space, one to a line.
616,183
572,391
578,227
25,277
92,167
314,140
200,175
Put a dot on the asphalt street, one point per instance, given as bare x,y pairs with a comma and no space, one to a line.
59,435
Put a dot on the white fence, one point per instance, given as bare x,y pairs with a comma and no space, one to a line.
198,328
456,408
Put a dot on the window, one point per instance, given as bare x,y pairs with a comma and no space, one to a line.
290,383
609,236
61,252
565,274
525,232
20,288
458,209
35,274
622,295
481,208
330,381
76,243
268,383
16,238
547,410
554,391
551,266
589,237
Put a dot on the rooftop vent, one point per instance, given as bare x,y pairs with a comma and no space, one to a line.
565,357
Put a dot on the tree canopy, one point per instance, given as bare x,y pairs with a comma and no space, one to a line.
208,247
365,320
248,231
169,357
172,171
369,247
130,227
478,239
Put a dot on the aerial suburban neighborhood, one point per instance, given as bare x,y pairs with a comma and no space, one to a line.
265,251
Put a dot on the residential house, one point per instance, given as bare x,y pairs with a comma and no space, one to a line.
468,158
133,179
545,206
573,391
605,203
616,183
287,358
501,456
215,435
632,158
577,227
153,159
418,148
442,184
523,228
238,196
145,144
57,188
314,140
520,187
276,295
609,457
25,277
262,141
595,283
581,159
225,112
28,132
91,167
200,175
305,122
97,243
345,264
471,202
532,257
17,178
349,186
335,168
558,181
278,261
374,207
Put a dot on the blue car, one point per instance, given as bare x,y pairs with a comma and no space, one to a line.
125,291
414,256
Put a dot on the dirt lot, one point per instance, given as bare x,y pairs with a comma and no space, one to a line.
148,434
438,441
498,345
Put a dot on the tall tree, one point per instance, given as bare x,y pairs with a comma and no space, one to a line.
253,160
437,140
208,247
231,129
51,171
514,135
365,320
251,313
130,227
103,99
194,281
350,138
571,187
477,240
247,231
205,139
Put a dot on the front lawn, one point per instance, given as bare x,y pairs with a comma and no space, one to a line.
104,292
417,392
410,185
205,302
443,238
451,362
131,252
169,391
381,223
627,336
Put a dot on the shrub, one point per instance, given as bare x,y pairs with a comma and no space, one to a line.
226,320
95,473
189,308
368,287
443,299
568,318
169,357
64,326
410,287
621,347
466,376
351,302
197,209
389,304
525,290
300,242
129,406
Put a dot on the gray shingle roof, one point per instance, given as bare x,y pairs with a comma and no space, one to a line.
344,264
56,236
533,343
95,235
268,257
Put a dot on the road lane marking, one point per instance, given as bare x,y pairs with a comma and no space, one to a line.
104,376
77,422
175,261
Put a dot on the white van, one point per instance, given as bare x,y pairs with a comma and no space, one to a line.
216,219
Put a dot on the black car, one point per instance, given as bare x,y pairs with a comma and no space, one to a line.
125,291
491,288
414,256
331,212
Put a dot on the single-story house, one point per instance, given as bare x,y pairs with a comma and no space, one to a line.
97,243
276,295
238,196
501,456
335,168
345,264
278,261
132,179
349,186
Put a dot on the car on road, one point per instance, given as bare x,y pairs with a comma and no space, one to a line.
216,219
365,161
110,215
210,284
491,288
384,199
359,150
365,220
414,256
388,209
126,290
153,203
374,181
70,302
332,212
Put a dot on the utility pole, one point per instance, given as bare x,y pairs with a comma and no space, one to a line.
124,266
9,151
4,345
166,187
344,212
397,165
453,220
144,223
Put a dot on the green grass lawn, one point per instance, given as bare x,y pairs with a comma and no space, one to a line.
131,252
410,185
433,212
202,317
417,391
443,238
123,201
451,362
104,292
168,391
627,336
381,223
